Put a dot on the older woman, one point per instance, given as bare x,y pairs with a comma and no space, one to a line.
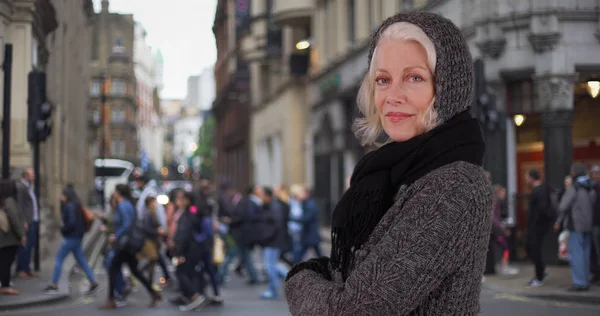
410,235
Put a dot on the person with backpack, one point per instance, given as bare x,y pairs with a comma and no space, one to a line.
576,212
129,239
73,229
539,221
204,235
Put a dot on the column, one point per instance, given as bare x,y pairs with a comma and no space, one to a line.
556,103
20,35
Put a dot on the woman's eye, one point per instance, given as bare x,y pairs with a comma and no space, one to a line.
382,80
416,78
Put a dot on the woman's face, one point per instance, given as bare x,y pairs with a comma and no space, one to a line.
181,201
404,88
568,181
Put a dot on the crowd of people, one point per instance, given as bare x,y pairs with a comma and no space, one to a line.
201,238
572,210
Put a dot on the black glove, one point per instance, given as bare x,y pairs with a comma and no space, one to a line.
319,265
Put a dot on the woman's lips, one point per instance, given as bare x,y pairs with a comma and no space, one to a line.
398,116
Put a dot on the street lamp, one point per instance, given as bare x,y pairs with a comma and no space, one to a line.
519,119
303,44
593,88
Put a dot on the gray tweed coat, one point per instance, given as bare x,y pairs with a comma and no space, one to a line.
426,256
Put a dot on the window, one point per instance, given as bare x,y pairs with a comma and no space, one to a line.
521,96
117,115
96,116
96,148
351,23
118,87
117,147
96,88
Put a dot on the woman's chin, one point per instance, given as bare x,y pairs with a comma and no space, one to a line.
401,136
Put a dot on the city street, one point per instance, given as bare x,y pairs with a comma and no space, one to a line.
243,300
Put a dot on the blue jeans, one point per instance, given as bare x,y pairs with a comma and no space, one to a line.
24,254
274,271
71,245
120,281
580,247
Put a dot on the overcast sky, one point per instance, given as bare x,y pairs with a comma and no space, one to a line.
182,29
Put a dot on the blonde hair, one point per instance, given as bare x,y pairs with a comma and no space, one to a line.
282,193
368,128
297,190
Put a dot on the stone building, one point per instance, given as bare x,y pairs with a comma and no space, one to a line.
231,107
114,121
278,81
51,36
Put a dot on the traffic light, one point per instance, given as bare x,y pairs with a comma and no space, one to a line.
39,120
484,107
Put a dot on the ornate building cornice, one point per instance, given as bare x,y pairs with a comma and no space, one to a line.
44,23
23,11
492,48
544,42
555,92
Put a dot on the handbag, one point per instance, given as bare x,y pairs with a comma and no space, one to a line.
219,251
4,222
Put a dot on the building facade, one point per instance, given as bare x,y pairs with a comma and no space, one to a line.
171,112
150,130
278,77
41,32
113,108
185,135
231,108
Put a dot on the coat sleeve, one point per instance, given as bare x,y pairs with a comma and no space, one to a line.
566,203
14,218
424,245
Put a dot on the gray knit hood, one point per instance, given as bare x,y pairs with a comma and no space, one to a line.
454,64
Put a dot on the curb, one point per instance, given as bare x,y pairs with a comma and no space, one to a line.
90,240
552,296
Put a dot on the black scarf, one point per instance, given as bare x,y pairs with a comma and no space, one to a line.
379,174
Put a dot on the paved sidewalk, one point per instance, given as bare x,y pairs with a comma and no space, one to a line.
554,288
32,289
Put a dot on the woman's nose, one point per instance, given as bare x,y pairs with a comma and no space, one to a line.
397,94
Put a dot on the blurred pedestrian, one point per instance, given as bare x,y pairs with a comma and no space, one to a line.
12,234
73,229
29,207
129,240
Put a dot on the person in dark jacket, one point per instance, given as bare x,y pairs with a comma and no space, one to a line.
278,241
125,221
73,229
204,235
415,201
310,237
244,229
187,253
538,224
12,238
